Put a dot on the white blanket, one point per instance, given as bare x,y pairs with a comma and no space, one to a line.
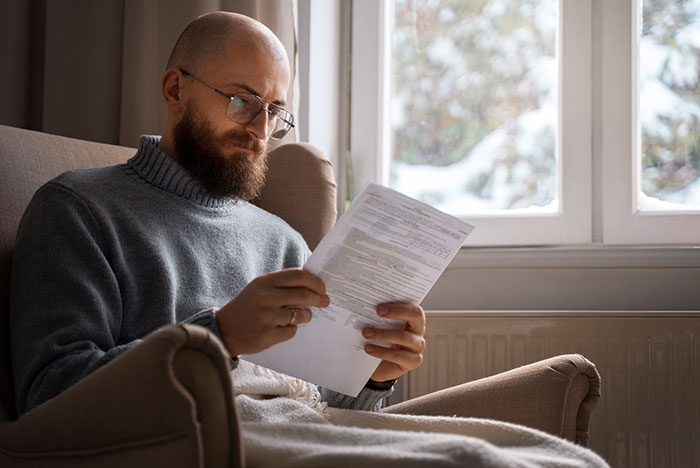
284,423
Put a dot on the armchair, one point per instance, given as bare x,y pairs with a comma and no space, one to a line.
168,401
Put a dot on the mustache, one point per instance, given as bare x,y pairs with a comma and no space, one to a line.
246,142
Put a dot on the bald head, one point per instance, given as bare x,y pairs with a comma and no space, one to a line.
232,55
209,38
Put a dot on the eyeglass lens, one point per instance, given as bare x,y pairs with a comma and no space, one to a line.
242,109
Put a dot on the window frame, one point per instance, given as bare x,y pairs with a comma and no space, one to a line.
623,222
369,135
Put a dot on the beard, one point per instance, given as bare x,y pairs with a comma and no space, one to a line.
199,151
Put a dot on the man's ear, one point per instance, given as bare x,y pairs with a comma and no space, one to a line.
171,84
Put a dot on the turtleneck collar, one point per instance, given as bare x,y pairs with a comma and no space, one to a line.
164,172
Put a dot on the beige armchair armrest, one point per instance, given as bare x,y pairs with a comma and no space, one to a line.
556,395
166,402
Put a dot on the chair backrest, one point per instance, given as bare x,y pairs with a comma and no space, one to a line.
300,189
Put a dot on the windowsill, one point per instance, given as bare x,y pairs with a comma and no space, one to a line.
600,314
584,256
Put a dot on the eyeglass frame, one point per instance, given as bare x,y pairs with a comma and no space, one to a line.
260,99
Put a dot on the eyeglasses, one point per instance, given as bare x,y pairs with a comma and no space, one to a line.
244,107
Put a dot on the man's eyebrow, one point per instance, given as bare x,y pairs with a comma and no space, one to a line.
252,91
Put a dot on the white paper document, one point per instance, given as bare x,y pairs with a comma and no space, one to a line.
386,248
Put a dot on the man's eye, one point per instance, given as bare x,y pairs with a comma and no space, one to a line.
241,100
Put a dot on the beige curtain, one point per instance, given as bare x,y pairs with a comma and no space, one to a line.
91,69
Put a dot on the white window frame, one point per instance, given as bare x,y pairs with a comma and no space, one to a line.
623,223
370,136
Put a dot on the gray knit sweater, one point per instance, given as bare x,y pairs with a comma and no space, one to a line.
106,256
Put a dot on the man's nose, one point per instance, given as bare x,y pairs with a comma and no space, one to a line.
258,126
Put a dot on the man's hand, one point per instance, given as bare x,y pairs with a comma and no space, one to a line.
260,315
407,344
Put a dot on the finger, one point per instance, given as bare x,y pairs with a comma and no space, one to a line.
303,315
300,315
413,314
406,339
296,277
293,297
404,359
284,333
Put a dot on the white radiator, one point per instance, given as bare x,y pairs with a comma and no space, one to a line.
649,412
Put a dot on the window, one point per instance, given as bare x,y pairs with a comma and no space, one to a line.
488,109
669,105
649,118
473,111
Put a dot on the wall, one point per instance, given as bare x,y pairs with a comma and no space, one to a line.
570,278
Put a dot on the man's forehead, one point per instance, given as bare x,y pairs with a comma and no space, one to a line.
254,72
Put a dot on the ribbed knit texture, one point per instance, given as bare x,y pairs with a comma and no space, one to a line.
106,256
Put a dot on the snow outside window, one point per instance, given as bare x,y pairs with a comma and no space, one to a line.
474,104
669,105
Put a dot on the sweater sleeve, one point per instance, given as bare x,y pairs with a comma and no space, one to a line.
65,302
207,319
367,400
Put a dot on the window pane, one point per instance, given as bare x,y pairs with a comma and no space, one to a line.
474,104
669,104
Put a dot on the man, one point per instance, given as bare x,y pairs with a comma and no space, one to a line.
106,256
